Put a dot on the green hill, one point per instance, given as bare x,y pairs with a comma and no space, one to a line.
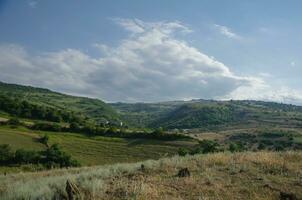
92,109
209,114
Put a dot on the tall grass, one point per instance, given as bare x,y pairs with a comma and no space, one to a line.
215,171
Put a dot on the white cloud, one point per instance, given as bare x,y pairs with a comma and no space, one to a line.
226,31
139,26
150,65
135,26
293,63
260,90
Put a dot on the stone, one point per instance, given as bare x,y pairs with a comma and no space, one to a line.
184,172
72,191
287,196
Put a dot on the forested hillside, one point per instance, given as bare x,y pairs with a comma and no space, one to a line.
44,104
209,114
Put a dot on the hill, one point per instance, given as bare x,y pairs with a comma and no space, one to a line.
209,114
249,175
88,108
194,114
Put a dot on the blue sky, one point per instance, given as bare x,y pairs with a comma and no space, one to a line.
155,50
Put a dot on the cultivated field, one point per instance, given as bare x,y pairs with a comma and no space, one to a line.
93,150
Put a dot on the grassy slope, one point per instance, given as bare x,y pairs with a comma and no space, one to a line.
256,176
93,150
93,108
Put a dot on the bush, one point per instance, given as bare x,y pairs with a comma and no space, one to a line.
6,155
44,126
183,152
112,131
236,147
44,140
14,122
74,127
54,156
209,146
26,156
261,146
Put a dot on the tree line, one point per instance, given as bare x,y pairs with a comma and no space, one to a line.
49,158
97,130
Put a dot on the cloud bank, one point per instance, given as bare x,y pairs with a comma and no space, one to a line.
151,64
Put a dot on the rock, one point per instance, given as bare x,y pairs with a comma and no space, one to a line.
72,191
183,173
287,196
142,167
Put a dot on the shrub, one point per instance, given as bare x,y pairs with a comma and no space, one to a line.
44,126
26,156
236,147
209,146
183,151
112,131
6,154
261,146
44,139
74,127
14,122
54,156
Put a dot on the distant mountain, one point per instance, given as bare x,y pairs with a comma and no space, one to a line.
92,109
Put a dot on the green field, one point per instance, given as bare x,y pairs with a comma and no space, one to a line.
93,150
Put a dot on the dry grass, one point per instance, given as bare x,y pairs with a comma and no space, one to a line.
258,175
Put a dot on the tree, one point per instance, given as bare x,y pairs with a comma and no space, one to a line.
209,146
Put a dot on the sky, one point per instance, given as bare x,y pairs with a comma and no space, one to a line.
150,51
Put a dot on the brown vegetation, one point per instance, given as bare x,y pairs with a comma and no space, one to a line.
249,175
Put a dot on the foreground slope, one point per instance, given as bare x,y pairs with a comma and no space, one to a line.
249,175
